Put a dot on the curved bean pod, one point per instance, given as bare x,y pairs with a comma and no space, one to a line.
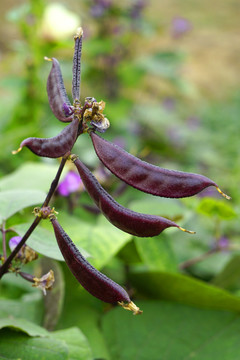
57,96
146,177
134,223
53,147
96,283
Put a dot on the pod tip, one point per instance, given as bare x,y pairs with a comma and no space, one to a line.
79,33
47,58
223,194
131,307
14,152
188,231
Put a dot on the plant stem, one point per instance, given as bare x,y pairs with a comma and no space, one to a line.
4,240
197,259
5,266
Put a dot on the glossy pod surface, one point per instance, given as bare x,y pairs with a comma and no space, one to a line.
127,220
57,96
56,146
96,283
146,177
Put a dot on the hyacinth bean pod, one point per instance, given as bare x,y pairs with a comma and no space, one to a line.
57,96
53,147
146,177
96,283
134,223
77,65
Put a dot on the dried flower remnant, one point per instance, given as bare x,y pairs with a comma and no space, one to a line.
45,282
25,254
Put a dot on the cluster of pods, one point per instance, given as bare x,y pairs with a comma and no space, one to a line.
89,118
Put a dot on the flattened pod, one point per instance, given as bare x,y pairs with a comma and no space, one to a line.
57,96
56,146
146,177
96,283
134,223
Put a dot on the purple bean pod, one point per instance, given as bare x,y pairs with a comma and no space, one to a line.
76,79
132,222
96,283
57,95
53,147
149,178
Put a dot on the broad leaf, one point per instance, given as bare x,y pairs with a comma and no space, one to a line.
102,240
156,253
185,290
16,345
11,201
77,343
29,307
169,331
30,176
42,241
23,325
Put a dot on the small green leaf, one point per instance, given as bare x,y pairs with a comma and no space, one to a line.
77,343
23,325
11,201
167,331
16,345
215,207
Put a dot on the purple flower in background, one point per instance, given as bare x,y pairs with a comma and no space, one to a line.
71,183
169,103
100,7
223,243
137,9
14,241
180,26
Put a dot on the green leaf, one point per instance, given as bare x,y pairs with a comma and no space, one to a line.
77,343
102,240
15,345
229,277
157,253
29,307
215,207
172,332
30,176
185,290
11,201
23,325
43,241
53,301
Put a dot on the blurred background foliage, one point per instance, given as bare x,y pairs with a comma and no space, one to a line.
168,72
